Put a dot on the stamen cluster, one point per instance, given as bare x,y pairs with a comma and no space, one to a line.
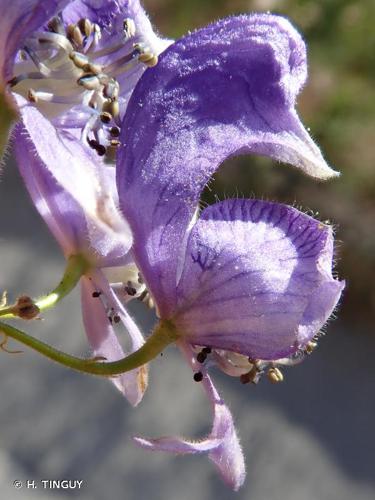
73,69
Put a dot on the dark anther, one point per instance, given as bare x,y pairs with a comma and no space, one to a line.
110,319
201,357
198,376
105,117
93,143
207,350
115,132
101,150
116,318
140,279
130,291
96,294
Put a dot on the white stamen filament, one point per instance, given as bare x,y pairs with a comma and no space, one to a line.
59,99
120,62
55,38
35,59
93,39
90,125
69,73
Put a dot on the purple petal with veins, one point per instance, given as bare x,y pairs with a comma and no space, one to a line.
227,89
257,279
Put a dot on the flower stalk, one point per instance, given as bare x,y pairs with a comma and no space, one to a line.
163,335
77,266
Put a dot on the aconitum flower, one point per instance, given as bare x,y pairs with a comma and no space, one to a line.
245,284
71,67
77,63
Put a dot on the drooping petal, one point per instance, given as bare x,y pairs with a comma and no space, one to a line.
64,217
138,379
227,89
257,279
102,337
222,444
18,19
76,170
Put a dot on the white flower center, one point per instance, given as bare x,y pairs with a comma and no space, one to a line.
67,69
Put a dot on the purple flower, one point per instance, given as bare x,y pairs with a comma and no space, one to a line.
77,63
246,284
71,67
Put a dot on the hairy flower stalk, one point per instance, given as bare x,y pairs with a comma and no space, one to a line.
163,335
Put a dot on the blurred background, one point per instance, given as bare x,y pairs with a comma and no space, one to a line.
310,438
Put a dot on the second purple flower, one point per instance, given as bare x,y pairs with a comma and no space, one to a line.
244,284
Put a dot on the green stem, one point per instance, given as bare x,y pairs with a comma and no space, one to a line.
164,334
77,265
